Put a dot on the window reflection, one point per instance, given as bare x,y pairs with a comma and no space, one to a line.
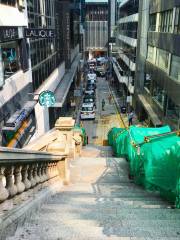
10,58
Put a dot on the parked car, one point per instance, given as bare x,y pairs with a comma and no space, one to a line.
90,86
89,100
91,81
90,91
91,76
90,95
87,111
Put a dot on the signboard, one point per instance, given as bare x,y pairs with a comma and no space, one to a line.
8,33
46,99
39,33
129,99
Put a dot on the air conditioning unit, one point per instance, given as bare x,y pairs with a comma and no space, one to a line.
21,4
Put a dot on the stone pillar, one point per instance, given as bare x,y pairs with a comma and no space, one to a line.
64,125
3,191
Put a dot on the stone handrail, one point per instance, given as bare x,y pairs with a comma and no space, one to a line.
21,170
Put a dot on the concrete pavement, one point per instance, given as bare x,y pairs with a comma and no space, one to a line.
97,130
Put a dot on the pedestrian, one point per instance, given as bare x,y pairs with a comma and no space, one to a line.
130,117
103,104
110,98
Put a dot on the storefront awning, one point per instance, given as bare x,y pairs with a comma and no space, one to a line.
64,85
153,116
15,121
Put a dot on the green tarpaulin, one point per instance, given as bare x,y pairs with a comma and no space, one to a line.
154,157
83,133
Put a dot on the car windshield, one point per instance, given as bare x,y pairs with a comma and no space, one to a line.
87,109
87,100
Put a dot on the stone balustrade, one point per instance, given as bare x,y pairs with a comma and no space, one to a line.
21,170
45,158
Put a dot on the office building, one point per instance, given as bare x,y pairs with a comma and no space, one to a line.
96,28
157,86
124,61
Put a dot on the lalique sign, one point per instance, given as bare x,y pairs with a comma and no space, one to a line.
39,33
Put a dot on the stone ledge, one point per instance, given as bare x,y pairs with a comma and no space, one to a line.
23,207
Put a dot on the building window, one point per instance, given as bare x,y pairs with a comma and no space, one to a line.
158,95
152,22
8,2
175,69
10,58
173,111
150,54
162,58
177,21
165,21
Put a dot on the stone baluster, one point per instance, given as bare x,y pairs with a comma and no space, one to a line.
40,173
3,191
30,175
11,187
18,179
49,171
46,171
25,179
43,172
35,173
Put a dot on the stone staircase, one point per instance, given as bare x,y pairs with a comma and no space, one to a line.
102,203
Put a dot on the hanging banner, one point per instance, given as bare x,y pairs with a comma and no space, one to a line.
39,33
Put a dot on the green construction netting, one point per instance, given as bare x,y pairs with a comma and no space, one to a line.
83,133
154,160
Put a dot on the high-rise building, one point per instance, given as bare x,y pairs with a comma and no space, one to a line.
157,85
96,28
39,42
124,63
16,107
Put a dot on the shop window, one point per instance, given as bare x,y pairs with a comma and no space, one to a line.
10,58
152,22
159,95
175,69
177,21
150,54
165,21
8,2
162,58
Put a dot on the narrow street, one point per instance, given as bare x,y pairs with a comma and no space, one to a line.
97,130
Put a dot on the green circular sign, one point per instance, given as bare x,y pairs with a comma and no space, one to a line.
47,98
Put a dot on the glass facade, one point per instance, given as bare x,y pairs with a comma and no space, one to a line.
95,12
177,21
162,59
128,29
152,22
10,58
165,21
158,94
8,2
44,54
150,53
175,69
